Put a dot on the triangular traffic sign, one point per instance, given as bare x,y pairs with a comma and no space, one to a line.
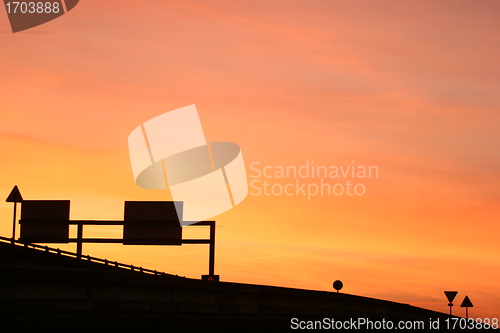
210,278
15,195
466,303
450,295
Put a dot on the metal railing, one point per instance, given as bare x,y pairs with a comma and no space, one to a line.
83,257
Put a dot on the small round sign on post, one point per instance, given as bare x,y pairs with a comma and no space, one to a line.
337,285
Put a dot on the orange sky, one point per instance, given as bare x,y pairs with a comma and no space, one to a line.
411,88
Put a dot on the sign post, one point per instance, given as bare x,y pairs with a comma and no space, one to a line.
15,197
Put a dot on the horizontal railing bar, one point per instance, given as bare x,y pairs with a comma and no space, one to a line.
73,222
199,223
196,241
96,240
114,222
96,222
115,240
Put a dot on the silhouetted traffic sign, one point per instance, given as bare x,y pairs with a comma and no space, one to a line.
450,295
337,285
466,303
152,223
45,221
15,195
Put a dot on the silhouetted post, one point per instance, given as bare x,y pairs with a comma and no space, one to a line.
211,263
79,241
15,197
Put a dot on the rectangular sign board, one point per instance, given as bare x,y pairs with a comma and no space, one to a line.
152,223
45,221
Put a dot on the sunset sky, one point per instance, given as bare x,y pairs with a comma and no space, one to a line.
410,87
